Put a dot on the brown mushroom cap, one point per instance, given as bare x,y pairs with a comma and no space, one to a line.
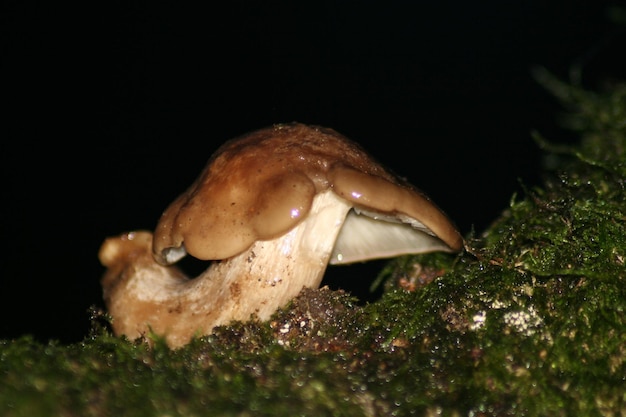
259,186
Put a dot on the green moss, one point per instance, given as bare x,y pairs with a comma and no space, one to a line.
530,320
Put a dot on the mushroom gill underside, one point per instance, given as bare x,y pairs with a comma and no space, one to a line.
368,235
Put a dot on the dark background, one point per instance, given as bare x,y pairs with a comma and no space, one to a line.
113,110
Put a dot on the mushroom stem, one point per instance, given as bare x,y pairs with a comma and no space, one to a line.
143,295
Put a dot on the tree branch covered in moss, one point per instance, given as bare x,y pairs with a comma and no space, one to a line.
529,320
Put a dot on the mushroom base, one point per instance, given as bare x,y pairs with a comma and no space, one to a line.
143,296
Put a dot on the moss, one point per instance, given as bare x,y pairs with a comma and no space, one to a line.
529,320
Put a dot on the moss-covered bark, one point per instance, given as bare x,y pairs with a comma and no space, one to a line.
530,320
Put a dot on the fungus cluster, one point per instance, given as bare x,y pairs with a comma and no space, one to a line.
271,210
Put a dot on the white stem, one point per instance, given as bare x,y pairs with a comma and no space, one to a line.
142,295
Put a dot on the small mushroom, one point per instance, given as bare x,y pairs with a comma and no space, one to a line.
271,210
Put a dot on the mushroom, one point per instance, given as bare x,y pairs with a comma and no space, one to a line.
271,210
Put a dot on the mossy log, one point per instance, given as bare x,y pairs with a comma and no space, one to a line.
529,320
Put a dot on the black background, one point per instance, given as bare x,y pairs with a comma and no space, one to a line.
113,109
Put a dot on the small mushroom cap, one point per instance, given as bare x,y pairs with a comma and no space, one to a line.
260,185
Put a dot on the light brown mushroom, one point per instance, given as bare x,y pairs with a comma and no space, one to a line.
271,210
